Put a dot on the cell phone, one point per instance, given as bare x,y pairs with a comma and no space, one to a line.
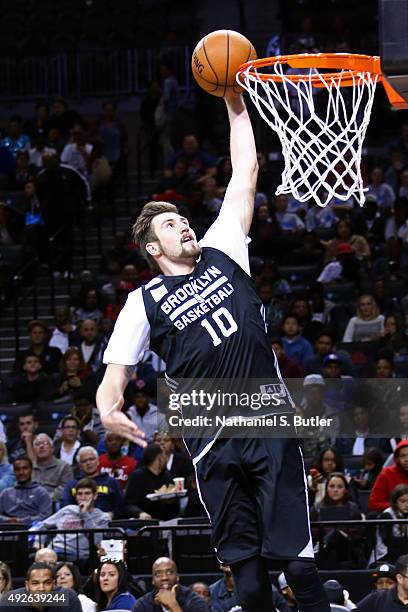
114,549
313,472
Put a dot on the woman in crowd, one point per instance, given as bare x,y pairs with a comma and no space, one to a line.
329,460
90,306
67,575
344,233
393,540
368,325
373,460
73,371
111,587
7,478
393,339
5,578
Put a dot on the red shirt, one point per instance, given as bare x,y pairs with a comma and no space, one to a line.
119,469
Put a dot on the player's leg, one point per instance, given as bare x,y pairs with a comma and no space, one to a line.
304,581
252,585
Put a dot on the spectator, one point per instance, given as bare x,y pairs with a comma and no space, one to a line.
368,325
63,118
113,309
336,594
324,345
38,125
90,344
68,576
26,502
166,109
384,193
5,578
362,435
393,539
370,222
168,593
46,555
178,464
81,515
289,368
316,438
384,576
401,426
290,223
112,587
148,479
7,477
24,172
223,596
373,460
110,496
115,464
396,224
15,140
87,414
90,307
49,356
202,590
345,235
200,165
339,390
34,233
62,336
296,347
393,339
389,600
143,412
67,446
22,445
320,218
327,461
113,134
210,198
32,386
49,471
389,478
73,372
344,267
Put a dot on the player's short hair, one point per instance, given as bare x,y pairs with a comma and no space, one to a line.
142,230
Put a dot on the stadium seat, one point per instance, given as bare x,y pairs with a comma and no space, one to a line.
54,411
197,558
340,292
299,275
9,412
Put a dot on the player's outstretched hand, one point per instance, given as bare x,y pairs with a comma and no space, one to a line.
116,421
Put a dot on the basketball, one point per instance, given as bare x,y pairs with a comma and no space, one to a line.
216,60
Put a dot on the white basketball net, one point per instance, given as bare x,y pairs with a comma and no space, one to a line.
322,153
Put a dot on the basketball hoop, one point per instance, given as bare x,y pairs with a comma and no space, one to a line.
320,112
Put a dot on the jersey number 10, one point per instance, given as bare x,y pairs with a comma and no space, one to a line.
225,323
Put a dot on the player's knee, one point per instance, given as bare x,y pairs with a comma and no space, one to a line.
299,572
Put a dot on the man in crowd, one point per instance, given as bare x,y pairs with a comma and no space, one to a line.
90,344
200,165
324,345
384,576
389,600
168,593
144,413
67,446
389,478
49,471
27,502
46,555
22,445
110,496
178,464
49,356
115,464
202,590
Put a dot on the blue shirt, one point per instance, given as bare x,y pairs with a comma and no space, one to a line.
16,144
299,349
122,601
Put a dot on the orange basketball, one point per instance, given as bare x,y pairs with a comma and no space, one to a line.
216,60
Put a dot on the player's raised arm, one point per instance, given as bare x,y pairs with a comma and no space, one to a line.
239,196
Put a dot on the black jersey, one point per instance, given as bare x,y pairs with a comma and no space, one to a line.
207,325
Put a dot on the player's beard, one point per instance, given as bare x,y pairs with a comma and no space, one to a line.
189,251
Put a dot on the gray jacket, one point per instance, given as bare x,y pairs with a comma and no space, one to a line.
53,476
29,502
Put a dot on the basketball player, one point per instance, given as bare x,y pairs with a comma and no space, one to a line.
203,317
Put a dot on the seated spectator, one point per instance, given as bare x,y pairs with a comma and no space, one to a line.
34,385
68,576
370,222
324,345
115,464
88,416
121,254
302,309
296,347
345,235
67,445
6,583
78,152
327,461
73,372
22,444
343,267
200,165
52,473
320,306
389,478
223,596
27,501
393,340
336,548
168,593
81,515
146,479
202,590
320,218
63,334
178,463
143,412
24,172
177,187
90,307
275,307
110,496
368,324
114,307
40,579
290,223
384,193
393,539
15,140
7,477
46,555
63,118
289,368
389,600
90,344
373,461
111,591
340,390
384,576
49,356
361,432
396,224
316,438
336,594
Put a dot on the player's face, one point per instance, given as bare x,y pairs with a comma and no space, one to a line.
176,241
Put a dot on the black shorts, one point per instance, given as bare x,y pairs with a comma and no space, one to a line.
254,491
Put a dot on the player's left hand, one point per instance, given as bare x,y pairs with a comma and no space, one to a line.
116,421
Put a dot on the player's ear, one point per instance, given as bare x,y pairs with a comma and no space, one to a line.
153,249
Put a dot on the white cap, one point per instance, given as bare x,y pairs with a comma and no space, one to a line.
314,379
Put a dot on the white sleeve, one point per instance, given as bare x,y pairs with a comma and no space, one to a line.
131,335
349,333
226,235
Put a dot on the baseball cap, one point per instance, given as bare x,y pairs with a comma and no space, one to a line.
384,569
331,357
313,379
334,591
344,248
283,583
